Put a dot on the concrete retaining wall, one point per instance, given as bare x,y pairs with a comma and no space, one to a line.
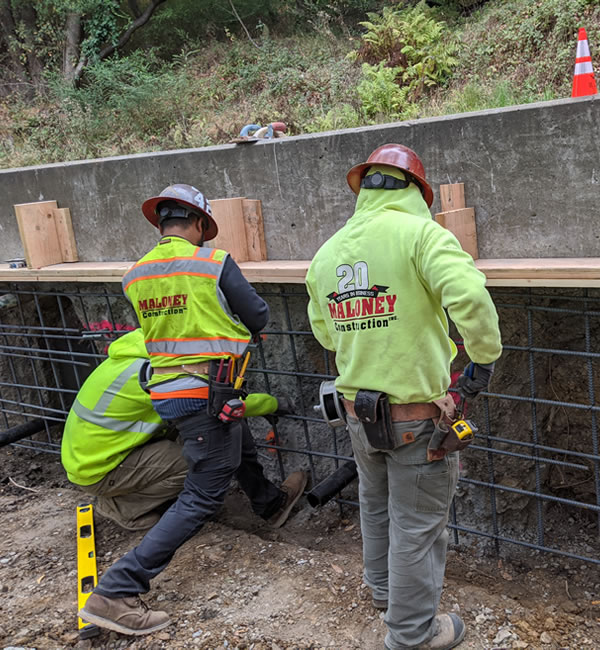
532,173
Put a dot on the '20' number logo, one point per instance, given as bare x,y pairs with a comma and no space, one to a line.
353,277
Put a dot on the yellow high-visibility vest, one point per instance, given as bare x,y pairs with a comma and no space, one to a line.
174,290
111,414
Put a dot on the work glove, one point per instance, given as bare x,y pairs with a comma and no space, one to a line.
475,378
285,406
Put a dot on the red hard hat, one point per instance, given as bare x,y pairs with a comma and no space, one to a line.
394,155
188,196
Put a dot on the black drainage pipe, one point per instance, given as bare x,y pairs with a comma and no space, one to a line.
333,484
21,431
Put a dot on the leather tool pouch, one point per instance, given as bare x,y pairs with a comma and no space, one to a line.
444,441
373,410
435,448
219,392
453,443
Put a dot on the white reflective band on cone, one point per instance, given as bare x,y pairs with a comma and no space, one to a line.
583,49
584,68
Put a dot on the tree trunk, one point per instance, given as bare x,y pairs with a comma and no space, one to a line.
15,75
140,21
29,19
71,50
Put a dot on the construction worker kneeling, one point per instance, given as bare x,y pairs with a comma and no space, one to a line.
198,315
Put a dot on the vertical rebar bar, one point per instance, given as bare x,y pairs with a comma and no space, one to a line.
592,400
534,429
491,475
32,364
299,386
265,375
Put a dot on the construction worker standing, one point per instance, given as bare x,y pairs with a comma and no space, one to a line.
378,290
114,445
194,306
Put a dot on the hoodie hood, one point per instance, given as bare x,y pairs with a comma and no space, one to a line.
130,345
372,202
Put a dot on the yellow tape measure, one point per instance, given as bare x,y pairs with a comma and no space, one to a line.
464,429
87,574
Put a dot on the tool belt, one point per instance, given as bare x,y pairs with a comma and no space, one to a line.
222,391
187,368
401,412
377,416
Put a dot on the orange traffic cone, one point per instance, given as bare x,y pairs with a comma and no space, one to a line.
584,82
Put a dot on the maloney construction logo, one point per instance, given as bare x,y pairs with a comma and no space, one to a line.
163,305
362,309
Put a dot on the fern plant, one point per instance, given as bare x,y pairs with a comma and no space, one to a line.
417,49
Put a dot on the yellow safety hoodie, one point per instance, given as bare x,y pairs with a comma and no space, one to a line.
378,289
111,414
174,290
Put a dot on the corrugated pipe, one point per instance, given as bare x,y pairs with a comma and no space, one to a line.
21,431
333,484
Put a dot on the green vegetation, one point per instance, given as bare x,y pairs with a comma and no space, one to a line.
90,78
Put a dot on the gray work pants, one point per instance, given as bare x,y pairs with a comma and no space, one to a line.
404,506
150,476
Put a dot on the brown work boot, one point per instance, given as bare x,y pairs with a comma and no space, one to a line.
293,486
450,632
125,615
380,604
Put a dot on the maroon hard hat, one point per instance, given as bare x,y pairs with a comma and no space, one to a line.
188,196
394,155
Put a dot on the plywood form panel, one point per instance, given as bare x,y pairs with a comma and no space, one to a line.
462,224
66,237
38,233
255,232
452,196
229,215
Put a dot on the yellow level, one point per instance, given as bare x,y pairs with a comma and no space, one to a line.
87,574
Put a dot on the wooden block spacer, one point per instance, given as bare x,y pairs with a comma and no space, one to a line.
457,218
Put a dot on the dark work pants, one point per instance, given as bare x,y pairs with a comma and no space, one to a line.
215,454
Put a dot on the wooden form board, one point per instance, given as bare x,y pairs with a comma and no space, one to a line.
241,230
457,218
255,231
46,233
535,272
461,223
452,196
66,237
38,233
71,272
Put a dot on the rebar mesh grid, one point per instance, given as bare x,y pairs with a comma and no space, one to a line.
535,460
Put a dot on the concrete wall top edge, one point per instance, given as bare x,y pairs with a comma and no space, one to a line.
531,172
309,136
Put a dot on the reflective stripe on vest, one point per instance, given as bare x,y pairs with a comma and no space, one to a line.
192,347
164,268
205,267
91,416
116,385
174,290
98,416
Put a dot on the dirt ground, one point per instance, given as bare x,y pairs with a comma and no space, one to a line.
240,585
